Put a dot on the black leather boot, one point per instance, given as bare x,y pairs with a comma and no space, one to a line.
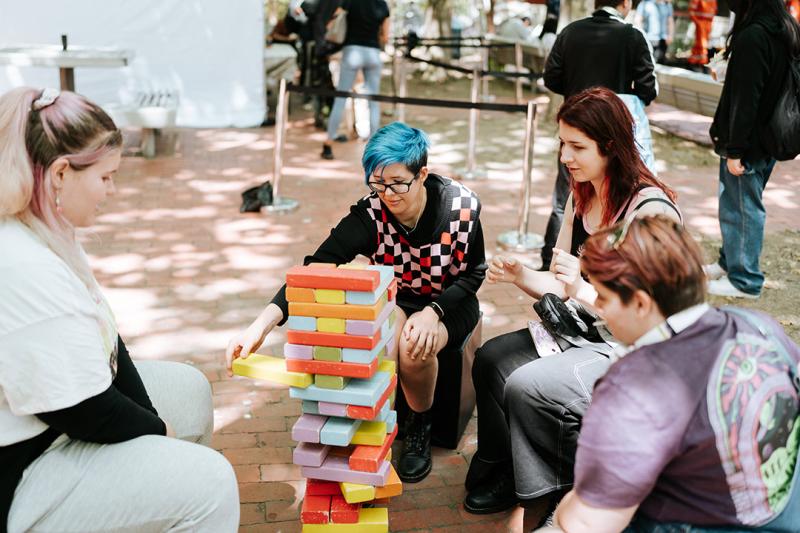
494,496
415,459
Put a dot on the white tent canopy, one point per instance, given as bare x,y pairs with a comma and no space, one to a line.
209,51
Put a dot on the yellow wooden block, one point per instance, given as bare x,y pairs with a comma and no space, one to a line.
331,325
329,296
354,266
389,455
370,520
387,365
270,368
370,433
357,493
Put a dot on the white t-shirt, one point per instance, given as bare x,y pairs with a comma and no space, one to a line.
53,351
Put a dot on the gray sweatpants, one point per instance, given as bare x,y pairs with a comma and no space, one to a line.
148,484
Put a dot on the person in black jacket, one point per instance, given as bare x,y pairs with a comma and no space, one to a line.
601,50
763,39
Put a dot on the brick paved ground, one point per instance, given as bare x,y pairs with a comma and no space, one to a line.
184,271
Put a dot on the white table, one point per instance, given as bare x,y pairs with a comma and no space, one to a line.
43,55
280,61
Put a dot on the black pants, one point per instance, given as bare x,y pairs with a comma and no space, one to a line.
560,194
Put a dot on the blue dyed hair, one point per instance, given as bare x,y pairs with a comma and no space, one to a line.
396,143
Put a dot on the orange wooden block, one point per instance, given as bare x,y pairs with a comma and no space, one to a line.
339,340
297,294
351,311
392,290
343,512
340,278
333,368
393,487
370,458
316,509
368,413
318,487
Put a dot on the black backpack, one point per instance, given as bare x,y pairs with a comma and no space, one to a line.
781,136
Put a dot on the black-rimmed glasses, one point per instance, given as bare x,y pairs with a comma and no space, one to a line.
398,187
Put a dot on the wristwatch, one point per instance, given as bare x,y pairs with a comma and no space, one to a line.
436,309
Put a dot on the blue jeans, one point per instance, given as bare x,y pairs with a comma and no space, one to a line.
355,58
741,219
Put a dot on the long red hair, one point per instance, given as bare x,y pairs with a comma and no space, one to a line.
603,117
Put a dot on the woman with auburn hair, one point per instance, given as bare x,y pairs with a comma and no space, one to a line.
81,443
696,425
529,406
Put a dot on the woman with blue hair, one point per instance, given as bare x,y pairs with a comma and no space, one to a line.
427,227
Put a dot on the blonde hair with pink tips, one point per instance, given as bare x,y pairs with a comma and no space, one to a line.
71,127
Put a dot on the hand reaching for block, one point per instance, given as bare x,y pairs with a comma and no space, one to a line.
248,341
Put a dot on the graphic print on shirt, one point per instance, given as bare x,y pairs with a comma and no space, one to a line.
753,408
424,270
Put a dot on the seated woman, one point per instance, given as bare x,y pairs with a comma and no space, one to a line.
533,405
82,446
428,228
696,426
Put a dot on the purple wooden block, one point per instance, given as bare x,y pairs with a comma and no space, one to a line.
307,428
338,469
307,454
332,409
298,351
369,327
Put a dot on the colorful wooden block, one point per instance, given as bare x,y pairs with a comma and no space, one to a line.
391,421
354,266
313,277
387,365
316,510
370,433
331,382
370,297
363,356
307,428
311,407
369,458
356,492
318,487
367,412
387,330
355,312
327,353
364,392
370,327
297,294
329,296
333,368
270,368
298,351
330,325
310,454
393,486
331,409
391,291
370,520
343,512
301,323
338,431
341,340
337,469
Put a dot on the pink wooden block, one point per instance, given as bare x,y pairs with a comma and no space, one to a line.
307,428
308,454
337,468
332,409
369,327
298,351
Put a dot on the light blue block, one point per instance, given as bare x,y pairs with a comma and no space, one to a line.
391,421
338,431
364,392
352,355
383,414
302,323
369,298
311,407
387,330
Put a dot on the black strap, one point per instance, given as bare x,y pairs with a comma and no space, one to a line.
662,200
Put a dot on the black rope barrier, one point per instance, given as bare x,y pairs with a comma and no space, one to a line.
492,73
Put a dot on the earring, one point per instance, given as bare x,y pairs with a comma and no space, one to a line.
59,210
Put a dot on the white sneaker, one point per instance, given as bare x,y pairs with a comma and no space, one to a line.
714,271
724,287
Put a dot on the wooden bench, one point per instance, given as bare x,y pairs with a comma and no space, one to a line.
688,91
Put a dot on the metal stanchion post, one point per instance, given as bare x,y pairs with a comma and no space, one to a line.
471,172
520,240
485,67
279,203
401,73
518,61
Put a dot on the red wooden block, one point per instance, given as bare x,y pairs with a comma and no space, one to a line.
343,512
368,413
333,368
339,340
318,487
392,290
316,509
370,458
326,278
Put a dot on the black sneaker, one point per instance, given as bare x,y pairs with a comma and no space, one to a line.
327,152
415,462
493,497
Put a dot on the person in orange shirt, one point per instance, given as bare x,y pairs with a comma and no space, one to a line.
794,8
702,14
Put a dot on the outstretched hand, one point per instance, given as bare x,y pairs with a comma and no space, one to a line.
504,269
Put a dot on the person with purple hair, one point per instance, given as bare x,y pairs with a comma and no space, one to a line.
82,445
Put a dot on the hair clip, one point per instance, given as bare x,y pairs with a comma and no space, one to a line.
45,99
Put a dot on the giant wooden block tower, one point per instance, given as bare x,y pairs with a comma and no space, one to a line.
341,325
